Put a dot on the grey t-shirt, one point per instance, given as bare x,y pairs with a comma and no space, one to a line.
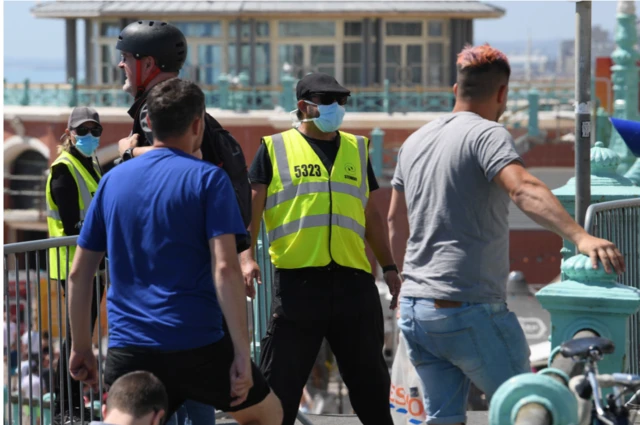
458,247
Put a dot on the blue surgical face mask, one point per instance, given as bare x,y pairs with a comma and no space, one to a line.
330,118
87,144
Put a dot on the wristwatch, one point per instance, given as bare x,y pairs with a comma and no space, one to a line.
128,154
391,267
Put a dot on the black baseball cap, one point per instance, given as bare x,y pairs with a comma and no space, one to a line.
318,82
82,114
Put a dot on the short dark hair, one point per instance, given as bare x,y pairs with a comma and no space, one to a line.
481,72
138,394
173,105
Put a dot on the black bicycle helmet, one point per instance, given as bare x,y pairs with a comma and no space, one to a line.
160,40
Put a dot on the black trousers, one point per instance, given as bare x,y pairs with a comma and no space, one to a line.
199,374
62,370
343,306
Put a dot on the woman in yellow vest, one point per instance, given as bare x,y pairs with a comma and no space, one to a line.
73,180
312,183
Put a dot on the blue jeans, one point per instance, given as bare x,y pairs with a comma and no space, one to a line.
450,347
198,414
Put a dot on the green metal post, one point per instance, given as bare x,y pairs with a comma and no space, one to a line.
625,78
529,388
377,153
591,300
386,101
73,99
533,128
606,184
603,126
25,95
223,85
242,95
288,95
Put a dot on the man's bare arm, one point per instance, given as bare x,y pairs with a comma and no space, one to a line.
131,142
258,199
535,199
398,227
80,291
230,290
375,233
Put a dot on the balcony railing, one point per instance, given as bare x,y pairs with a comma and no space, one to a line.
235,93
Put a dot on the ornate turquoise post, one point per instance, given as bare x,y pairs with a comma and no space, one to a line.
606,184
533,97
625,79
25,95
588,300
377,153
242,92
288,94
603,126
386,99
591,300
530,388
73,98
223,86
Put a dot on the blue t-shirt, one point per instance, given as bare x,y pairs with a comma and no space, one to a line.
154,215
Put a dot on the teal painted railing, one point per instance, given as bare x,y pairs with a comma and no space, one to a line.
234,93
42,309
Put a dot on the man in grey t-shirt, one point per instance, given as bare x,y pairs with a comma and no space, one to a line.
454,180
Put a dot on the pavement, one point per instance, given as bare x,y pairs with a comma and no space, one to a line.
473,418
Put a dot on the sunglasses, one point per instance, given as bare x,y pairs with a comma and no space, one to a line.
83,131
328,99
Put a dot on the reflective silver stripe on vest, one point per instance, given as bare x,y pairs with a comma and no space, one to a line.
290,191
316,221
281,159
362,149
54,214
84,193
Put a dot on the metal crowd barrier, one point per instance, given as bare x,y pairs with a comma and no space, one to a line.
39,305
619,222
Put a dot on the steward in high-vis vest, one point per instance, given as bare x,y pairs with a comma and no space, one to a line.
312,184
73,180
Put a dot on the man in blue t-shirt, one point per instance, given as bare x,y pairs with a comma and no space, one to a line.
168,222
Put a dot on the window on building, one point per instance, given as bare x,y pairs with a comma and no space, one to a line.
262,29
414,63
435,29
323,59
393,63
353,29
109,59
209,65
404,63
404,29
307,29
28,182
435,64
352,63
199,29
293,55
188,71
110,29
262,64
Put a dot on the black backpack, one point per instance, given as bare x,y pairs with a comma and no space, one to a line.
220,148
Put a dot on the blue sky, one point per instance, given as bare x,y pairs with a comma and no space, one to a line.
30,39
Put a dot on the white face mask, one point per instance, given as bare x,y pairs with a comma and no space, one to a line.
330,118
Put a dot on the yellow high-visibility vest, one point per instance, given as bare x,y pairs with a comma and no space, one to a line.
312,217
87,187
